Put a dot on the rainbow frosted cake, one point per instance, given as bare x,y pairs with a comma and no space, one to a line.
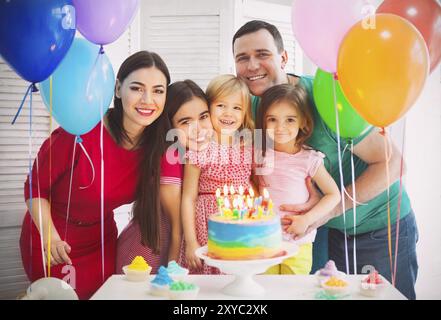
247,230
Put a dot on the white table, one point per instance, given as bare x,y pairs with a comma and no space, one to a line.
277,287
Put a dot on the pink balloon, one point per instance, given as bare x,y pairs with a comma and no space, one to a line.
104,21
319,26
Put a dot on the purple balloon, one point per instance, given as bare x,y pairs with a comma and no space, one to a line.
104,21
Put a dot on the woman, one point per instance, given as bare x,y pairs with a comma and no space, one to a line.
132,154
188,124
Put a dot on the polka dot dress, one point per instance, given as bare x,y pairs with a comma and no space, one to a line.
220,165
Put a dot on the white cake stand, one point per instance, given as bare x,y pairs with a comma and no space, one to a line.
244,270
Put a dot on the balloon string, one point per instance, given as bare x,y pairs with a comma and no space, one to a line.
31,86
92,76
40,218
340,167
50,173
70,189
102,188
79,140
346,193
29,167
354,206
399,203
389,229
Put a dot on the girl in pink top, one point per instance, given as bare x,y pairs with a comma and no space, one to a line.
285,163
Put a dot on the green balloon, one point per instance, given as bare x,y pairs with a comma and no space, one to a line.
350,122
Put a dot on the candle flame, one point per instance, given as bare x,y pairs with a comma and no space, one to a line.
227,203
225,190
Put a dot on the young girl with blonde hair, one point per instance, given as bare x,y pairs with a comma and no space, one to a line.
226,161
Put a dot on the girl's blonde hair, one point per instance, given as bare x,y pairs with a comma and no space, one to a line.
297,97
228,84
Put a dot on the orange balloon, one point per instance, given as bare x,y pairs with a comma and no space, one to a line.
382,70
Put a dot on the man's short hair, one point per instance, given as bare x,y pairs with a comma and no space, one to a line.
256,25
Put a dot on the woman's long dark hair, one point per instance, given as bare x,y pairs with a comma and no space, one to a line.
146,210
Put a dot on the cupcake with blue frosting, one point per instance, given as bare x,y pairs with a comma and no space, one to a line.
160,285
176,272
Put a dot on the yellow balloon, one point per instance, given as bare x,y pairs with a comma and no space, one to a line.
382,68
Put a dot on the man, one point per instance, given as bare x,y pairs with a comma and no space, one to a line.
260,60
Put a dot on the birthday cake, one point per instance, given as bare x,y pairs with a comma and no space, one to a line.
245,228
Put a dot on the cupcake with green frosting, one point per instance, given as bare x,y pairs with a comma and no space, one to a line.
180,290
176,272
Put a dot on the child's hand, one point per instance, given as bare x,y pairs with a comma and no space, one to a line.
298,226
193,261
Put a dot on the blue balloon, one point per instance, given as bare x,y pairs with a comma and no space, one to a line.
82,88
35,35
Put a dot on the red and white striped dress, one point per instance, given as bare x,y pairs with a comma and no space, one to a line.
129,241
220,165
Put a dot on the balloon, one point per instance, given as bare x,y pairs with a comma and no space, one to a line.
104,21
35,35
382,70
320,25
50,289
425,15
81,85
351,124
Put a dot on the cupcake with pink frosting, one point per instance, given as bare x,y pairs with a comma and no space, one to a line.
373,285
329,270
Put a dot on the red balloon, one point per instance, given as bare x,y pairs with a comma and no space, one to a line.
425,15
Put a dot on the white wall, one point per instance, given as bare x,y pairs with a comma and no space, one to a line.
423,182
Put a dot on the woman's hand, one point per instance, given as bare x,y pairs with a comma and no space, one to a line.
193,261
59,251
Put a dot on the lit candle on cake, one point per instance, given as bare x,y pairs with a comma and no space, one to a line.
227,211
270,207
265,199
251,192
259,212
241,191
235,209
242,205
219,200
225,191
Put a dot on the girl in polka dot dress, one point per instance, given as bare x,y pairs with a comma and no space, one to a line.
226,161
